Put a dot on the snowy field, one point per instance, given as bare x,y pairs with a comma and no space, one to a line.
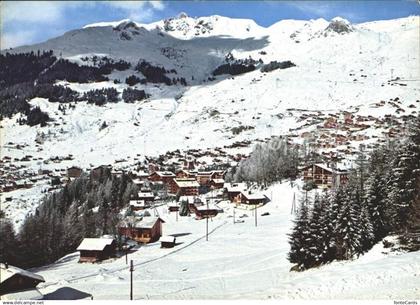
238,261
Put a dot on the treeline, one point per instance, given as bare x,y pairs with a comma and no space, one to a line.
23,67
87,207
155,74
27,75
233,69
274,65
382,197
102,96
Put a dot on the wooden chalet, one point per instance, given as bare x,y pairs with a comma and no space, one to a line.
96,249
203,211
205,178
146,230
100,171
167,241
186,187
233,191
324,176
74,172
16,283
253,198
165,177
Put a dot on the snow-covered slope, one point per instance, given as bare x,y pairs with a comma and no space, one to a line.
239,261
335,71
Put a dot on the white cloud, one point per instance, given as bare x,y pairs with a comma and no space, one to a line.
45,12
19,38
39,11
142,11
319,8
325,9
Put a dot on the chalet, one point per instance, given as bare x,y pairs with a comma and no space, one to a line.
203,211
96,249
253,198
233,191
166,178
16,283
167,241
325,176
74,172
186,187
146,230
99,171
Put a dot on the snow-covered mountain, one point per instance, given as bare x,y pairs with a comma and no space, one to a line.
339,66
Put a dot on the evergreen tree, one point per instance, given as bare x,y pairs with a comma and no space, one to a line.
298,239
348,230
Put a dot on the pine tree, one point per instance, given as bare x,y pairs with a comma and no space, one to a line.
348,229
298,238
375,200
9,251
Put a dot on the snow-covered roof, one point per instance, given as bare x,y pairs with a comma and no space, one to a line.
149,222
205,207
253,195
145,222
137,203
336,170
97,244
204,173
165,174
235,187
145,194
167,239
186,183
6,273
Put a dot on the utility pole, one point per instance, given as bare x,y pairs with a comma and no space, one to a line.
131,279
207,221
255,212
126,254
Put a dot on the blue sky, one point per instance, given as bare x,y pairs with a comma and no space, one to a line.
36,21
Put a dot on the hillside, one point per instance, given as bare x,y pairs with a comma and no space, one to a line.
370,70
